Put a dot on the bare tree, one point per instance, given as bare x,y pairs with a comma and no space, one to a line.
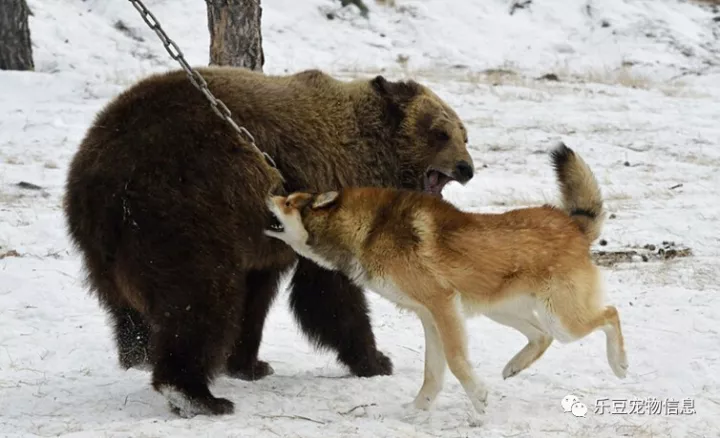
235,33
15,45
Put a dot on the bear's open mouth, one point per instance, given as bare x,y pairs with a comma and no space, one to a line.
275,224
435,181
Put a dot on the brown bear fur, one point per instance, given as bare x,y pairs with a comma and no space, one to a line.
167,208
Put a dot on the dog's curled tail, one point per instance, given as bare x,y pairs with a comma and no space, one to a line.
580,191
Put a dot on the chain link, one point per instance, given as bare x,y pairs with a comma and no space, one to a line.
196,79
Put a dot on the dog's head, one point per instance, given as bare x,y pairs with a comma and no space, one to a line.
301,217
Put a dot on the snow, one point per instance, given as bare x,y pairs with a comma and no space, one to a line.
638,99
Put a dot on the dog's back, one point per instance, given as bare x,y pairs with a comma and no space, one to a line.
496,256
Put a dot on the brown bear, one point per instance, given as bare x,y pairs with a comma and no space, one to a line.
167,207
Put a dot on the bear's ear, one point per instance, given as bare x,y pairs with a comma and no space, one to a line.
324,200
397,92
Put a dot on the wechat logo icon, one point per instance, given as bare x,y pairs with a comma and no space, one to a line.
572,404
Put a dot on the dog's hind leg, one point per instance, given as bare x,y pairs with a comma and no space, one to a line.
607,320
615,343
434,363
450,322
538,340
572,312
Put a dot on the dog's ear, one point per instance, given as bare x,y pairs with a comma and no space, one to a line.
324,200
398,93
298,200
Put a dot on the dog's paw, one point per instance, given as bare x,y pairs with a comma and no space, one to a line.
618,361
511,370
620,366
422,403
479,399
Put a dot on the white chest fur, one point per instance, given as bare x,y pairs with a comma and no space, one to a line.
388,290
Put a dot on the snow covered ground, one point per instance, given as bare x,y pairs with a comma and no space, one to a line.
637,97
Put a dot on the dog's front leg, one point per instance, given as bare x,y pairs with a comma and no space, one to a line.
450,322
434,363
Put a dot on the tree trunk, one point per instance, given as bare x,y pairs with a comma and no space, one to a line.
15,45
235,33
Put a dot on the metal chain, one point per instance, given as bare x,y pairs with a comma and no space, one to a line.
196,79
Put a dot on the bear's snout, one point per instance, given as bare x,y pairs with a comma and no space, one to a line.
463,172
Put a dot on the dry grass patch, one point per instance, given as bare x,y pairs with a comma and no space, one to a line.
623,76
455,74
536,89
649,252
11,253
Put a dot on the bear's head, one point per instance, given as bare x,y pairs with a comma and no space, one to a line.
430,137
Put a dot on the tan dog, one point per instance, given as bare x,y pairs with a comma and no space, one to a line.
529,269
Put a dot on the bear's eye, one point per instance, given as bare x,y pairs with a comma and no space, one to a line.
441,135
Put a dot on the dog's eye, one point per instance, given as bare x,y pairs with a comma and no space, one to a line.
287,203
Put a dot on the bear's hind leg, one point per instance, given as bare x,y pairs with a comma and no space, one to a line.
194,335
131,330
132,336
261,290
333,313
